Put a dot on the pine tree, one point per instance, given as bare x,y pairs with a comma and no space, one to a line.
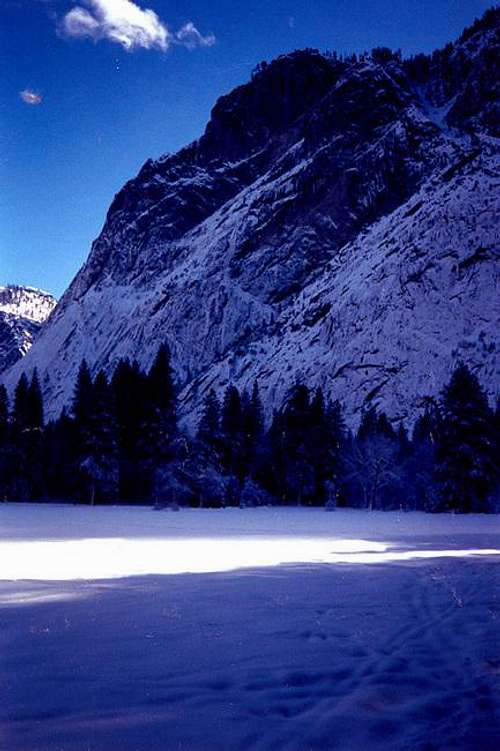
232,434
336,424
82,403
19,470
160,383
99,458
35,403
20,413
34,440
81,410
159,428
209,425
333,437
61,459
253,429
272,472
427,425
5,444
299,477
384,427
255,414
369,424
322,451
4,412
466,470
420,465
129,394
26,465
404,443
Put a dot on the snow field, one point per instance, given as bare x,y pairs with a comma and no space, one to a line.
294,653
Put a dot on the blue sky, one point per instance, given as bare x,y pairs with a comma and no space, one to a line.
91,88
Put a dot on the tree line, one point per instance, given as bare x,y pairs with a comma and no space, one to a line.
120,441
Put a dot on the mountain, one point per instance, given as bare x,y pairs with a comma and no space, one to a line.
23,310
337,221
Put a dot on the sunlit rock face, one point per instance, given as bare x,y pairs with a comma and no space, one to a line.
23,310
336,221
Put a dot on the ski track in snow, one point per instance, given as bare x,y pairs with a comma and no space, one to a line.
398,655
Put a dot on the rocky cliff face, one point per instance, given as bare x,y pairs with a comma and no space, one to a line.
23,310
337,220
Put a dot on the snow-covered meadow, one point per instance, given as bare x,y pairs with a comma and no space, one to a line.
124,628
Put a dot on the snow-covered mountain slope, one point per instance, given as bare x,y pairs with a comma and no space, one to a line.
23,310
336,220
420,294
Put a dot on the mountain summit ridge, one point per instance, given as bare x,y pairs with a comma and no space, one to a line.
346,234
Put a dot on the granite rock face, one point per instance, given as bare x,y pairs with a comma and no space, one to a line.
338,220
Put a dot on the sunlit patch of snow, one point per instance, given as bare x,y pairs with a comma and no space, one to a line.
36,597
115,558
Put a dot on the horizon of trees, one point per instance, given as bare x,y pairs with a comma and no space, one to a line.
120,442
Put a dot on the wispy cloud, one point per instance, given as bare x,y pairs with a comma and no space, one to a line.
189,36
125,23
31,97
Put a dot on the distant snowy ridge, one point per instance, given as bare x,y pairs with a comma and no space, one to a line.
23,310
337,221
27,302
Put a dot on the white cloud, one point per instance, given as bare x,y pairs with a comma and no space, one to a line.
31,97
189,36
125,23
120,21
